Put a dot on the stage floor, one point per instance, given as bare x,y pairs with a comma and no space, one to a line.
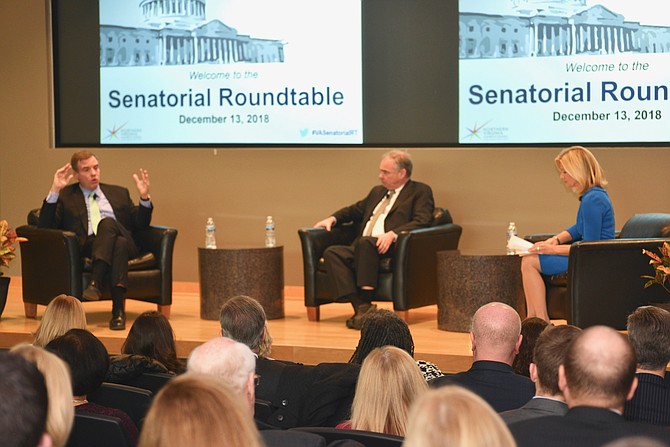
295,338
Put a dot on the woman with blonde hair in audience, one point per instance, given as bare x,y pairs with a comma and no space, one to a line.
63,313
388,383
197,410
452,416
60,413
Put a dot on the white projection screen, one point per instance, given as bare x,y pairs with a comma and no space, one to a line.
360,73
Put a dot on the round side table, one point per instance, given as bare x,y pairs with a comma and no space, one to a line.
254,271
466,282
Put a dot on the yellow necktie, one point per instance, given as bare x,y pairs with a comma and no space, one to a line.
378,212
94,209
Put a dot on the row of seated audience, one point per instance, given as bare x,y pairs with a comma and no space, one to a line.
571,387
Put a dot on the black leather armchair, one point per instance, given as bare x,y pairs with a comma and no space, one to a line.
409,279
51,264
604,283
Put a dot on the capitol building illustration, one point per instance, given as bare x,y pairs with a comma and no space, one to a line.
540,28
177,33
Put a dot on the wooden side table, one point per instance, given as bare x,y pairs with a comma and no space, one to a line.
226,272
467,282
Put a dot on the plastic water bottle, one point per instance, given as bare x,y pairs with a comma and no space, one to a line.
210,237
511,231
270,240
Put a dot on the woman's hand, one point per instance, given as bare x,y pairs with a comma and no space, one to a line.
546,247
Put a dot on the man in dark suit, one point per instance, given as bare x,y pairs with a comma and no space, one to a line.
234,364
296,395
548,355
649,334
104,218
495,337
597,377
398,204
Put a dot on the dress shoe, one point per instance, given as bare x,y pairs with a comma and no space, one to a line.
118,322
92,293
356,322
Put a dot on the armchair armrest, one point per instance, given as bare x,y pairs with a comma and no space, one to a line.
160,241
605,281
414,264
314,242
50,264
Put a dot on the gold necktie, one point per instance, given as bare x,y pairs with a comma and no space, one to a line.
378,212
94,209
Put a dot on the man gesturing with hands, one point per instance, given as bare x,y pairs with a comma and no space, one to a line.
105,220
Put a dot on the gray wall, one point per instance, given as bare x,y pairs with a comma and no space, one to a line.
483,188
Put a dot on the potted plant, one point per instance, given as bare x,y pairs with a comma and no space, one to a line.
661,266
8,238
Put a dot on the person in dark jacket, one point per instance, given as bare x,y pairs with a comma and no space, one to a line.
149,347
88,360
296,395
649,334
495,337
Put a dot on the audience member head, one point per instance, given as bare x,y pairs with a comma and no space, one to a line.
63,313
531,328
402,160
24,403
549,354
599,369
231,362
582,166
649,334
496,333
243,319
60,415
151,335
455,417
388,383
382,328
197,410
86,356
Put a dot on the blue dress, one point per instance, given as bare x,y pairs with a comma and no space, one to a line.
595,222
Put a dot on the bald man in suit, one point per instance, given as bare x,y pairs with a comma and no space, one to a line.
596,378
398,204
495,338
105,220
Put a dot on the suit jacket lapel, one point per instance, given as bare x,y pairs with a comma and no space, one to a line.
406,191
80,202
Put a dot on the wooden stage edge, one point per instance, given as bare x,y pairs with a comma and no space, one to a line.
295,338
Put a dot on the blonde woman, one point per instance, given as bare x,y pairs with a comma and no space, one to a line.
60,413
452,416
579,171
197,410
389,382
63,313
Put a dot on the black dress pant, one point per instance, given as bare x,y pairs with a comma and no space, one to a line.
351,267
114,245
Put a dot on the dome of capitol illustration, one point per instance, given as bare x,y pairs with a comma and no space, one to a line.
173,13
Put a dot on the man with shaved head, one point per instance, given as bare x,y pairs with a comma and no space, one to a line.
495,338
596,378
